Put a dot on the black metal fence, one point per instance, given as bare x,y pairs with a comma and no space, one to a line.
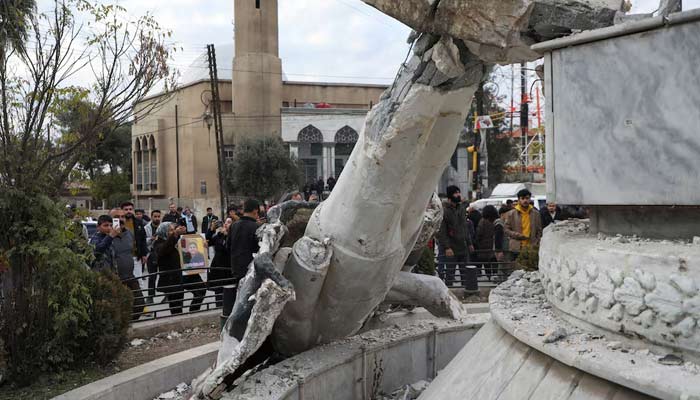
192,294
479,269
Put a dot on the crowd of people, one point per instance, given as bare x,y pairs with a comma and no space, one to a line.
143,251
492,238
317,189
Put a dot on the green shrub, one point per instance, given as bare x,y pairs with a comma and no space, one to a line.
426,263
110,316
528,259
54,313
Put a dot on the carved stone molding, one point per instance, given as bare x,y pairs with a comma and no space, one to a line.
637,287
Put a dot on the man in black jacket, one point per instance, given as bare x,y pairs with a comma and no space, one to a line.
242,241
551,214
207,220
172,215
454,237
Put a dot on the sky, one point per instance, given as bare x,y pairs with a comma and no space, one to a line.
320,40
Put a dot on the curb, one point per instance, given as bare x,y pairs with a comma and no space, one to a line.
148,380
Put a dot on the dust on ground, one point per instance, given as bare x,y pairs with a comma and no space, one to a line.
136,352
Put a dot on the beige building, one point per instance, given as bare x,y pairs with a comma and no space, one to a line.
174,147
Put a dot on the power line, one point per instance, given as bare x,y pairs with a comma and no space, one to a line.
288,73
365,14
170,127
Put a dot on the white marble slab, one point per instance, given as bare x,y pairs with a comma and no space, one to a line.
624,119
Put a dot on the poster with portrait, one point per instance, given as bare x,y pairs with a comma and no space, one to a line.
193,254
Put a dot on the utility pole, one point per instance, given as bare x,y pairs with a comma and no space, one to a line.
477,137
177,152
524,114
539,126
512,97
218,126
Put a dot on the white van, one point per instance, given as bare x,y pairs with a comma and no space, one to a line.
507,191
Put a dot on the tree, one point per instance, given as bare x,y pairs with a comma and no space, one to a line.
125,58
105,164
14,23
502,151
109,153
501,148
46,295
262,168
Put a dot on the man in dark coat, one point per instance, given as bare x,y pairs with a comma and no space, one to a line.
172,215
551,214
454,238
207,220
242,241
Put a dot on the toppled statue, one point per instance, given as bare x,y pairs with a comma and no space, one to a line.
356,243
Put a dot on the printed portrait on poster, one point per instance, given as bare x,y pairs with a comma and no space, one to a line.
193,254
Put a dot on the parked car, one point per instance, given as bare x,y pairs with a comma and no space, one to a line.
90,226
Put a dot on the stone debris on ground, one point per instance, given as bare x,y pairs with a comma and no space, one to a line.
407,392
160,338
180,392
671,359
555,336
522,304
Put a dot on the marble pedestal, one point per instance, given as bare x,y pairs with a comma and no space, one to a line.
573,329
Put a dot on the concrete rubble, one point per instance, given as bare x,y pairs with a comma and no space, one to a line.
179,393
407,392
501,31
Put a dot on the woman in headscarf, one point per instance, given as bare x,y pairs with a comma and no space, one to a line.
171,281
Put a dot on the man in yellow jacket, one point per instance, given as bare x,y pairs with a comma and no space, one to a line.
523,224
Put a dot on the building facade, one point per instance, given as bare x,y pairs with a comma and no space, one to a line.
175,147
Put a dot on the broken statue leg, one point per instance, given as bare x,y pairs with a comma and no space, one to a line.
373,216
263,294
306,268
425,291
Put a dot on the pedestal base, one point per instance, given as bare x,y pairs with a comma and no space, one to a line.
496,366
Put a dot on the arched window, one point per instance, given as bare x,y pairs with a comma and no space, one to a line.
346,135
138,156
345,140
310,134
154,163
146,157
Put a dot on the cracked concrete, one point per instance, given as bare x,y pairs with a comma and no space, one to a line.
501,31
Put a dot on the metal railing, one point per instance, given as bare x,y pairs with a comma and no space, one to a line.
474,273
189,296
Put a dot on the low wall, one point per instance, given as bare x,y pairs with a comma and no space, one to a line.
402,350
358,367
148,380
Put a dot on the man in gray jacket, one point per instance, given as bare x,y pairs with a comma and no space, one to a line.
123,255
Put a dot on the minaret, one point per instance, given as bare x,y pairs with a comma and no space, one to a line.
257,69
